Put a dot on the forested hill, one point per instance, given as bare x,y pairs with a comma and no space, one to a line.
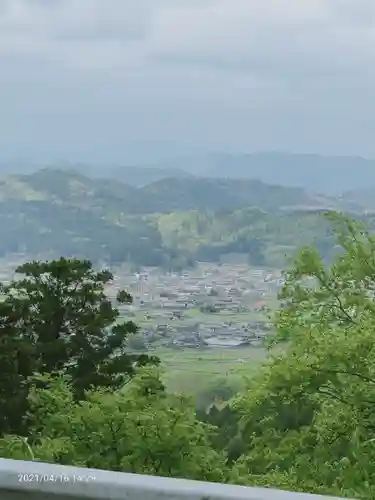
165,195
228,194
169,222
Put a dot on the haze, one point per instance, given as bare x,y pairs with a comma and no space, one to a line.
139,81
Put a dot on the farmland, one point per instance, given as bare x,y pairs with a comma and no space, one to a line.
205,323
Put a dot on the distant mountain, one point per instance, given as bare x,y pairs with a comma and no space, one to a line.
330,175
136,176
143,175
229,194
169,223
56,212
364,197
131,175
68,187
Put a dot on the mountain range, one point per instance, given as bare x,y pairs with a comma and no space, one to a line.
162,196
171,222
328,175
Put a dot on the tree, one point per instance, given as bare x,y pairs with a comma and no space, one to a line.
57,318
134,430
308,418
341,294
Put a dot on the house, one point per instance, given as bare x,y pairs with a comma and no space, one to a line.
260,306
217,341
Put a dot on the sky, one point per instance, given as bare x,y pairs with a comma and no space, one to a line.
127,81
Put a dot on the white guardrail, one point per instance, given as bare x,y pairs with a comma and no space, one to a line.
21,480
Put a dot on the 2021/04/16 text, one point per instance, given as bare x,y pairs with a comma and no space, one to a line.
54,478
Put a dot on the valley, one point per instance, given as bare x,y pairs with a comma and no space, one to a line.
192,270
204,324
201,257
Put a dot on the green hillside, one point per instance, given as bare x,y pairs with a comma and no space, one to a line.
166,195
227,194
266,238
169,223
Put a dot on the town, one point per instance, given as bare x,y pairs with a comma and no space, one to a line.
203,323
211,306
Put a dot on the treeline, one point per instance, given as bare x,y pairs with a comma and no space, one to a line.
172,241
45,228
71,394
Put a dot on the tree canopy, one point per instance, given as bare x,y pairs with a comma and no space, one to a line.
57,319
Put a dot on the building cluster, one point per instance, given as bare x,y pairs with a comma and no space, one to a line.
210,306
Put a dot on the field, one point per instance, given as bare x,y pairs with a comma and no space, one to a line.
176,314
191,370
146,318
187,370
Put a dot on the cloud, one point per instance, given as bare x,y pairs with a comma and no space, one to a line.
172,63
88,33
282,39
94,34
273,39
63,19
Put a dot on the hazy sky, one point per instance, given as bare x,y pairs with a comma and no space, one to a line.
132,80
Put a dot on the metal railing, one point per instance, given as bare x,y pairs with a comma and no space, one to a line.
21,480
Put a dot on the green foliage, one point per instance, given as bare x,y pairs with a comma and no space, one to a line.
218,390
266,238
336,295
307,419
57,318
140,429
